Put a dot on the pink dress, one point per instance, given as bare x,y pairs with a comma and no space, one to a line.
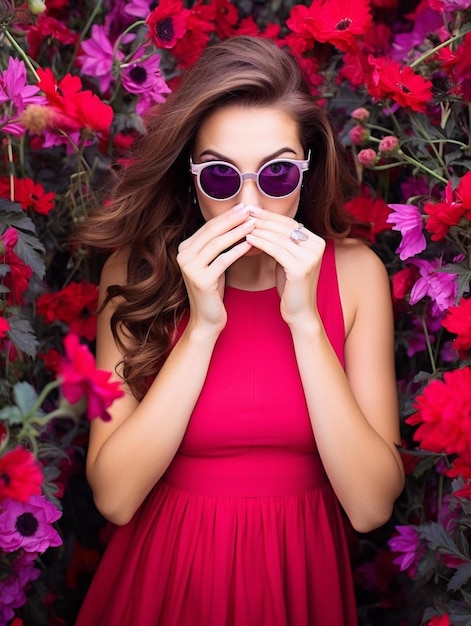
244,528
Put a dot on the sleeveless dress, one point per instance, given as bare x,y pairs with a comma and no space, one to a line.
243,529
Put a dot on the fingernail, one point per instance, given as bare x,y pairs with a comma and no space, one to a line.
250,222
254,210
240,208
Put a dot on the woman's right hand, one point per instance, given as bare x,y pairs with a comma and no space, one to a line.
205,256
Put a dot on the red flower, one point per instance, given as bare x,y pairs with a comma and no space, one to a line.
4,327
199,25
51,359
402,282
167,23
440,620
458,320
46,30
20,475
340,22
81,379
444,413
74,109
16,280
371,214
227,17
75,305
390,80
442,215
29,194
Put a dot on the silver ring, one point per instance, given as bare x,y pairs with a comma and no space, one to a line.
297,235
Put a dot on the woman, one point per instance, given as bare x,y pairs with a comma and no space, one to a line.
255,345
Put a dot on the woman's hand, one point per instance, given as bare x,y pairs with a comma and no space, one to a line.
297,263
204,258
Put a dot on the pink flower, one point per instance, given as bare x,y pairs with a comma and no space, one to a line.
98,57
407,542
143,77
13,581
440,620
81,379
15,90
28,525
4,327
407,219
439,286
367,157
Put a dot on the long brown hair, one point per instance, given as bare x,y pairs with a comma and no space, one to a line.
151,209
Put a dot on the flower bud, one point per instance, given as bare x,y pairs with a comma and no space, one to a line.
361,114
359,134
37,118
389,144
367,157
37,6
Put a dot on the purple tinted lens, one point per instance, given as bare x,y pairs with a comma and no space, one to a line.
219,181
279,179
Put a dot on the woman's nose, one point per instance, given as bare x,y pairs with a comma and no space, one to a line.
249,193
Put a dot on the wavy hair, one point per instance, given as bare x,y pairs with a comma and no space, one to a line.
151,208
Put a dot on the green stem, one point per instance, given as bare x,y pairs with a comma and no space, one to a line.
444,44
85,30
22,53
429,345
41,397
423,167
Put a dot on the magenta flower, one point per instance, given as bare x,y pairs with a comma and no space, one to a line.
28,525
81,379
12,584
17,94
439,286
143,77
407,542
407,219
98,57
138,8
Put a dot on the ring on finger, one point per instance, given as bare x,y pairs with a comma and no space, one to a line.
297,235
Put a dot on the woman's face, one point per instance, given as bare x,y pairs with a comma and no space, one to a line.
248,137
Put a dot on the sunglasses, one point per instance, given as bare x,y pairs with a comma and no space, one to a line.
278,178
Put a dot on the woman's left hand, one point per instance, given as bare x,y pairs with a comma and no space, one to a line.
297,262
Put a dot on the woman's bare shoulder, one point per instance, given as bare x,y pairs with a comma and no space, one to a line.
356,261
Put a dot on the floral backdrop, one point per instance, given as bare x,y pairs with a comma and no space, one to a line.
76,78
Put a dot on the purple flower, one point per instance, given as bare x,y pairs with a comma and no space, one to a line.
427,22
408,220
439,286
15,91
143,77
28,525
99,56
406,542
138,8
13,582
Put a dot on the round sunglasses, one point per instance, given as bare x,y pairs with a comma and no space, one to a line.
278,178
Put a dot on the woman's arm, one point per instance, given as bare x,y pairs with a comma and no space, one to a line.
354,413
129,454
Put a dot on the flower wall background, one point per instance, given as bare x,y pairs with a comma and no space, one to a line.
75,80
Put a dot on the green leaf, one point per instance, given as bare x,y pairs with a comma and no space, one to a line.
460,577
25,397
11,414
22,335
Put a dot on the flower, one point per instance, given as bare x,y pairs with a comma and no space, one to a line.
20,475
17,274
407,219
389,80
17,93
370,216
143,77
359,134
440,620
4,327
28,525
388,144
98,57
81,379
458,320
167,23
15,577
29,194
407,542
75,305
340,22
441,287
443,411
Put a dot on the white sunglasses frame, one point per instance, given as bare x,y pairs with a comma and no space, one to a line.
301,164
